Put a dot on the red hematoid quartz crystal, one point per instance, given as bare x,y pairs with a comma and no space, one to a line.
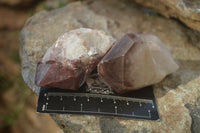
75,54
136,61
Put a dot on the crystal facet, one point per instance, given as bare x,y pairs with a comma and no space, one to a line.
136,61
75,54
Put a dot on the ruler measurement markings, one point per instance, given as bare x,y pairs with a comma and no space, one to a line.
85,100
101,100
81,107
153,106
140,104
99,112
102,96
70,103
115,107
43,107
114,101
47,96
149,113
127,103
133,113
106,113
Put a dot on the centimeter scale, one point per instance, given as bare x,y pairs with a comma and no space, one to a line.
139,104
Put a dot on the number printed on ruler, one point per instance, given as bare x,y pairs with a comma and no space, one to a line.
83,103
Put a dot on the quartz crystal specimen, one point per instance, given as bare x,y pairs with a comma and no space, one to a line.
74,55
136,61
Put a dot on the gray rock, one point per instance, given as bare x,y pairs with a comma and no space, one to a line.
117,18
144,130
195,114
111,126
194,37
187,11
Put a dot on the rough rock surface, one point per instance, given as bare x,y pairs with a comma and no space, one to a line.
187,11
195,114
117,18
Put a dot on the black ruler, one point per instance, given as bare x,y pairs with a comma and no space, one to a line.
138,104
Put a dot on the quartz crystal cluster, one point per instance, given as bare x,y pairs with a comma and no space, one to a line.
133,62
136,61
74,55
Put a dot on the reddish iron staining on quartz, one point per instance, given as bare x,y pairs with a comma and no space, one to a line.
74,55
136,61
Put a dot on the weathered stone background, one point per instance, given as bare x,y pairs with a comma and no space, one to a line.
187,11
16,2
17,101
176,96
